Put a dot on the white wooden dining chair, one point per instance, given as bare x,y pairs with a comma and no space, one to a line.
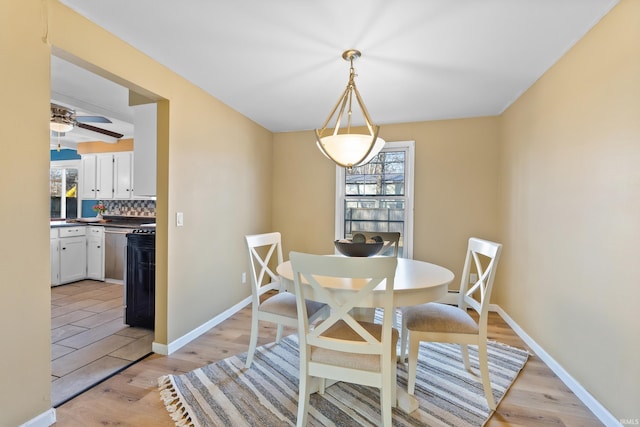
339,347
436,322
265,253
391,241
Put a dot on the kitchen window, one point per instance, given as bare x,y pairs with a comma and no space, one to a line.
63,184
378,196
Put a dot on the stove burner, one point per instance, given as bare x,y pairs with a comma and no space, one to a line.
144,231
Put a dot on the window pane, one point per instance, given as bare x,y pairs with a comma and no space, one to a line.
384,175
55,184
71,193
63,183
373,215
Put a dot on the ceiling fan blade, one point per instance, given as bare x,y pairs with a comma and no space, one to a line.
99,130
92,119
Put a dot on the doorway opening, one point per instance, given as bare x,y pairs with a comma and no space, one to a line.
89,340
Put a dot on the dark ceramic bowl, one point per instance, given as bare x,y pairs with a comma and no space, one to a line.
348,248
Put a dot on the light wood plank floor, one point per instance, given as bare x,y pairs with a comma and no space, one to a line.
89,339
131,398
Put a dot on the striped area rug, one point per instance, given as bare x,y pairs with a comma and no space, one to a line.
226,394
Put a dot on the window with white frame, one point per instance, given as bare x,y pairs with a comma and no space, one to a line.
378,196
63,184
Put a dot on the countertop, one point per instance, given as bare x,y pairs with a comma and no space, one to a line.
109,221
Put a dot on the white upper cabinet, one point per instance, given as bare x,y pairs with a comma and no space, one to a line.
123,175
144,147
96,176
107,176
88,171
104,177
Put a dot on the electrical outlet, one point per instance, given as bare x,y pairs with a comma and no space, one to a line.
244,277
473,278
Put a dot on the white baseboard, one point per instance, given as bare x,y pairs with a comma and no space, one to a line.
45,419
596,407
195,333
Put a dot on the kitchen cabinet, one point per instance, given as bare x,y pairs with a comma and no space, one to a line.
72,245
88,171
96,178
145,149
55,256
107,176
95,253
104,176
123,175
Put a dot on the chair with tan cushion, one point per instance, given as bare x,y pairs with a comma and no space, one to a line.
341,348
391,241
437,322
265,253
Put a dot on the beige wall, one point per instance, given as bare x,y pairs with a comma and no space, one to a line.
456,188
570,185
25,305
213,165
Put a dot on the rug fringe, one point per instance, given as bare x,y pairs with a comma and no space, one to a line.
175,407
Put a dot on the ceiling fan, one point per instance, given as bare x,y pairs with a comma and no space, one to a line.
64,119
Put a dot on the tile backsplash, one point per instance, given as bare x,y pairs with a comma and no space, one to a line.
131,207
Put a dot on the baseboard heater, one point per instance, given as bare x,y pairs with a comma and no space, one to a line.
451,297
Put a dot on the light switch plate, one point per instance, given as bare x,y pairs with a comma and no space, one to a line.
179,219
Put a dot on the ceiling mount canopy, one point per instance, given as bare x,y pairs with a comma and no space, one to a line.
345,148
61,119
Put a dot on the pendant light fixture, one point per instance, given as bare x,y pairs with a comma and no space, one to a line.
345,148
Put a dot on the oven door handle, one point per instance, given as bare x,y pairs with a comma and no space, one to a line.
112,231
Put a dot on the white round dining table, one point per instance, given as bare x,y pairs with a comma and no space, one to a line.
415,282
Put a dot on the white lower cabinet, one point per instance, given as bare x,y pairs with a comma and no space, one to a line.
55,257
73,259
95,253
77,253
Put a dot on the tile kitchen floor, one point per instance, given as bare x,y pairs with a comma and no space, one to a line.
89,340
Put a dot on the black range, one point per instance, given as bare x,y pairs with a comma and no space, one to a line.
140,278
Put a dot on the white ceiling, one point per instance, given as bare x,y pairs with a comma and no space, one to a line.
279,62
